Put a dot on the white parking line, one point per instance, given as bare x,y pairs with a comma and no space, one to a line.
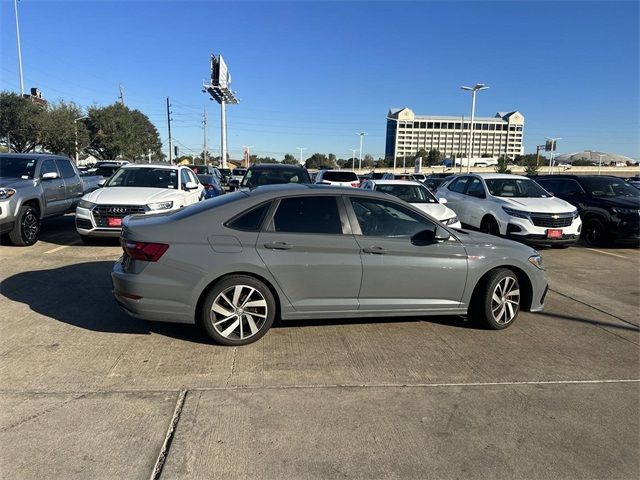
57,249
606,253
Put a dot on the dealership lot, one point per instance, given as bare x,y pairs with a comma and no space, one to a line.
86,391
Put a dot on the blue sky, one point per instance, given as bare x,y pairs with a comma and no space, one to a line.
312,74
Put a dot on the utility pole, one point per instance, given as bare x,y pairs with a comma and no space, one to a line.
205,153
362,134
353,159
169,128
15,6
301,149
149,155
121,96
75,124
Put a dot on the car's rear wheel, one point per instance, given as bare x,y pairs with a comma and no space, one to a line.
27,227
238,310
496,303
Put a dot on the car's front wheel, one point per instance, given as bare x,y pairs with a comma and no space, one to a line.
496,303
238,310
27,228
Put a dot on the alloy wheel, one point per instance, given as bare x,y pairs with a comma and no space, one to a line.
505,300
30,227
239,312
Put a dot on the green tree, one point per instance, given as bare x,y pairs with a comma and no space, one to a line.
318,161
59,129
117,131
290,160
20,122
434,157
422,153
531,166
367,161
503,165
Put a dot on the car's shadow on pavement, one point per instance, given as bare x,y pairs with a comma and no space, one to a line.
80,295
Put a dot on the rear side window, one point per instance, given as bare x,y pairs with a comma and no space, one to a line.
458,185
340,176
251,220
308,215
66,170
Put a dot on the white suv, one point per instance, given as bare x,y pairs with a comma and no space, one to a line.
338,178
514,206
135,189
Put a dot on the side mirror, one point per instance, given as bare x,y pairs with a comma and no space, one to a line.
427,237
50,176
190,186
442,200
102,182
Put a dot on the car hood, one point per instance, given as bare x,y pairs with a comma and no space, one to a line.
436,210
538,205
625,202
130,195
16,183
483,240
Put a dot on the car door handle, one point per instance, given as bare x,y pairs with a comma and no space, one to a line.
278,246
375,250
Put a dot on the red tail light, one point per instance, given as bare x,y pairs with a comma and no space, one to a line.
355,184
149,252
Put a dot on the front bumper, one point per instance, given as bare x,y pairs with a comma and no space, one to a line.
544,240
523,230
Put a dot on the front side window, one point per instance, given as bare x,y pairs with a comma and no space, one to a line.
48,166
378,218
475,188
308,215
570,187
458,185
144,177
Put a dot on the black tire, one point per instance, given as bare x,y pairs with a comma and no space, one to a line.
595,233
485,310
220,328
490,225
27,228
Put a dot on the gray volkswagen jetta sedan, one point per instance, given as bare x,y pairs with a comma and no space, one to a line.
235,263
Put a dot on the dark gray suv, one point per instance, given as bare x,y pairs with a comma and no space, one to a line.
316,252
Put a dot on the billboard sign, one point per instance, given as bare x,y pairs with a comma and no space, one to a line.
550,146
220,76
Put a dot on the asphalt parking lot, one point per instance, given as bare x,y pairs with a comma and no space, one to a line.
87,392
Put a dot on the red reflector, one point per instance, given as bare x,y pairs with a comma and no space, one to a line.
355,184
130,295
149,252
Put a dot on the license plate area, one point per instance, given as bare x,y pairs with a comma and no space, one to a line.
114,222
554,233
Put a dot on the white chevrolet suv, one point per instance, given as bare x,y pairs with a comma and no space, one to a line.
135,189
513,206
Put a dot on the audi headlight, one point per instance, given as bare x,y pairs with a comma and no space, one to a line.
6,193
450,221
516,213
160,206
536,261
86,204
628,211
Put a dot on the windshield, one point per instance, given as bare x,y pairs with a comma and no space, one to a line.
239,171
144,177
257,177
106,171
332,176
609,187
408,193
515,187
17,167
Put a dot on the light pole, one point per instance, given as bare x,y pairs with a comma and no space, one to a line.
362,134
301,149
15,7
353,159
600,155
553,149
473,90
248,148
395,142
75,124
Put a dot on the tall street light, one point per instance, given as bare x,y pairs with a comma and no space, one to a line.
15,6
301,149
362,134
75,124
600,162
473,90
353,159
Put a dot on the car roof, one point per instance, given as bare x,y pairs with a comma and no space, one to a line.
395,182
577,177
274,166
151,165
32,155
491,176
305,189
